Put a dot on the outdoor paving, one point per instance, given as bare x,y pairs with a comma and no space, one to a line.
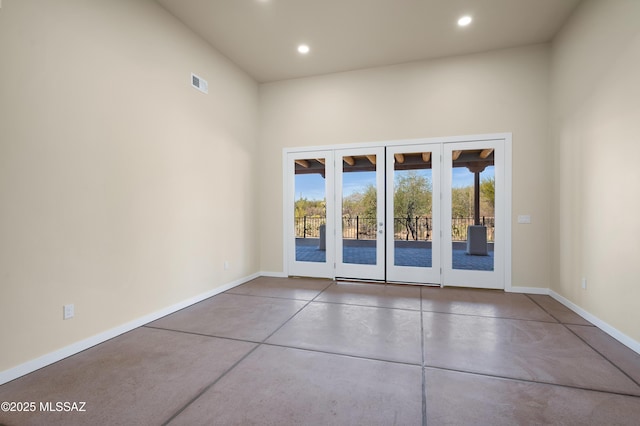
419,257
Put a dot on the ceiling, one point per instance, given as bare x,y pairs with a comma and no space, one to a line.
261,36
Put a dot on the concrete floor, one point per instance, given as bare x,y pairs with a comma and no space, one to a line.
314,352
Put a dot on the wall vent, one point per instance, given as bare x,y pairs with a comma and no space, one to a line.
199,83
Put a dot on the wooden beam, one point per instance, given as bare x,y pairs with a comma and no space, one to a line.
485,153
349,160
372,159
456,155
303,163
320,160
399,158
426,156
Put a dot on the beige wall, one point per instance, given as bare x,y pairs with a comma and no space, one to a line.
500,91
595,140
122,189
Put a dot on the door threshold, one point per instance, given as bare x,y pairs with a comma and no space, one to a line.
358,281
369,281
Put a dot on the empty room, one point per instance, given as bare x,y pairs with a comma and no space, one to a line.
309,212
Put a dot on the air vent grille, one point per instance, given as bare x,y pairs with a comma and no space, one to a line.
199,83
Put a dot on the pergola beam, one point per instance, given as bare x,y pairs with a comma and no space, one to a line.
303,163
320,160
485,153
456,154
399,157
349,160
426,157
372,159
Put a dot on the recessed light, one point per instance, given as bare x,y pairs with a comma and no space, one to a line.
303,48
464,21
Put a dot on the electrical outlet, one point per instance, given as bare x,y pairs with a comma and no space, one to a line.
584,283
68,311
227,265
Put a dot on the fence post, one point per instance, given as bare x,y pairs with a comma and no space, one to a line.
357,227
304,229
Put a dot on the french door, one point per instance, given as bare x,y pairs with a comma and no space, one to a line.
360,214
423,213
309,189
473,248
413,204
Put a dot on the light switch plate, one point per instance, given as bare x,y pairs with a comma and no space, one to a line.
524,218
68,312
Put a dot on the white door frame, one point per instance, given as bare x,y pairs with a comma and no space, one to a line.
295,267
355,270
506,137
473,278
413,274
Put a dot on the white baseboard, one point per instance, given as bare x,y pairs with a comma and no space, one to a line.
609,329
528,290
74,348
273,274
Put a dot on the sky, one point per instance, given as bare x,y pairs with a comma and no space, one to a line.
463,177
311,186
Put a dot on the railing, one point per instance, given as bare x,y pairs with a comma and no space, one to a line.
359,228
459,227
308,226
416,229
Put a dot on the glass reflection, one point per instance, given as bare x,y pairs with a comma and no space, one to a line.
412,209
359,210
310,210
473,209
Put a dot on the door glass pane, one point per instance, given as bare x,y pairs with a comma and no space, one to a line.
359,209
310,210
412,209
472,209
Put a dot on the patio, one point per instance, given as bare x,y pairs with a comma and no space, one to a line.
407,253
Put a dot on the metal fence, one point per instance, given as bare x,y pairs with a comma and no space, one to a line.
459,226
416,229
359,228
309,227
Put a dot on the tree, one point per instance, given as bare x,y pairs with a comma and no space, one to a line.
370,202
412,195
488,196
310,208
462,202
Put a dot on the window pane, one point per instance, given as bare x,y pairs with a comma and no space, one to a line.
310,212
472,209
